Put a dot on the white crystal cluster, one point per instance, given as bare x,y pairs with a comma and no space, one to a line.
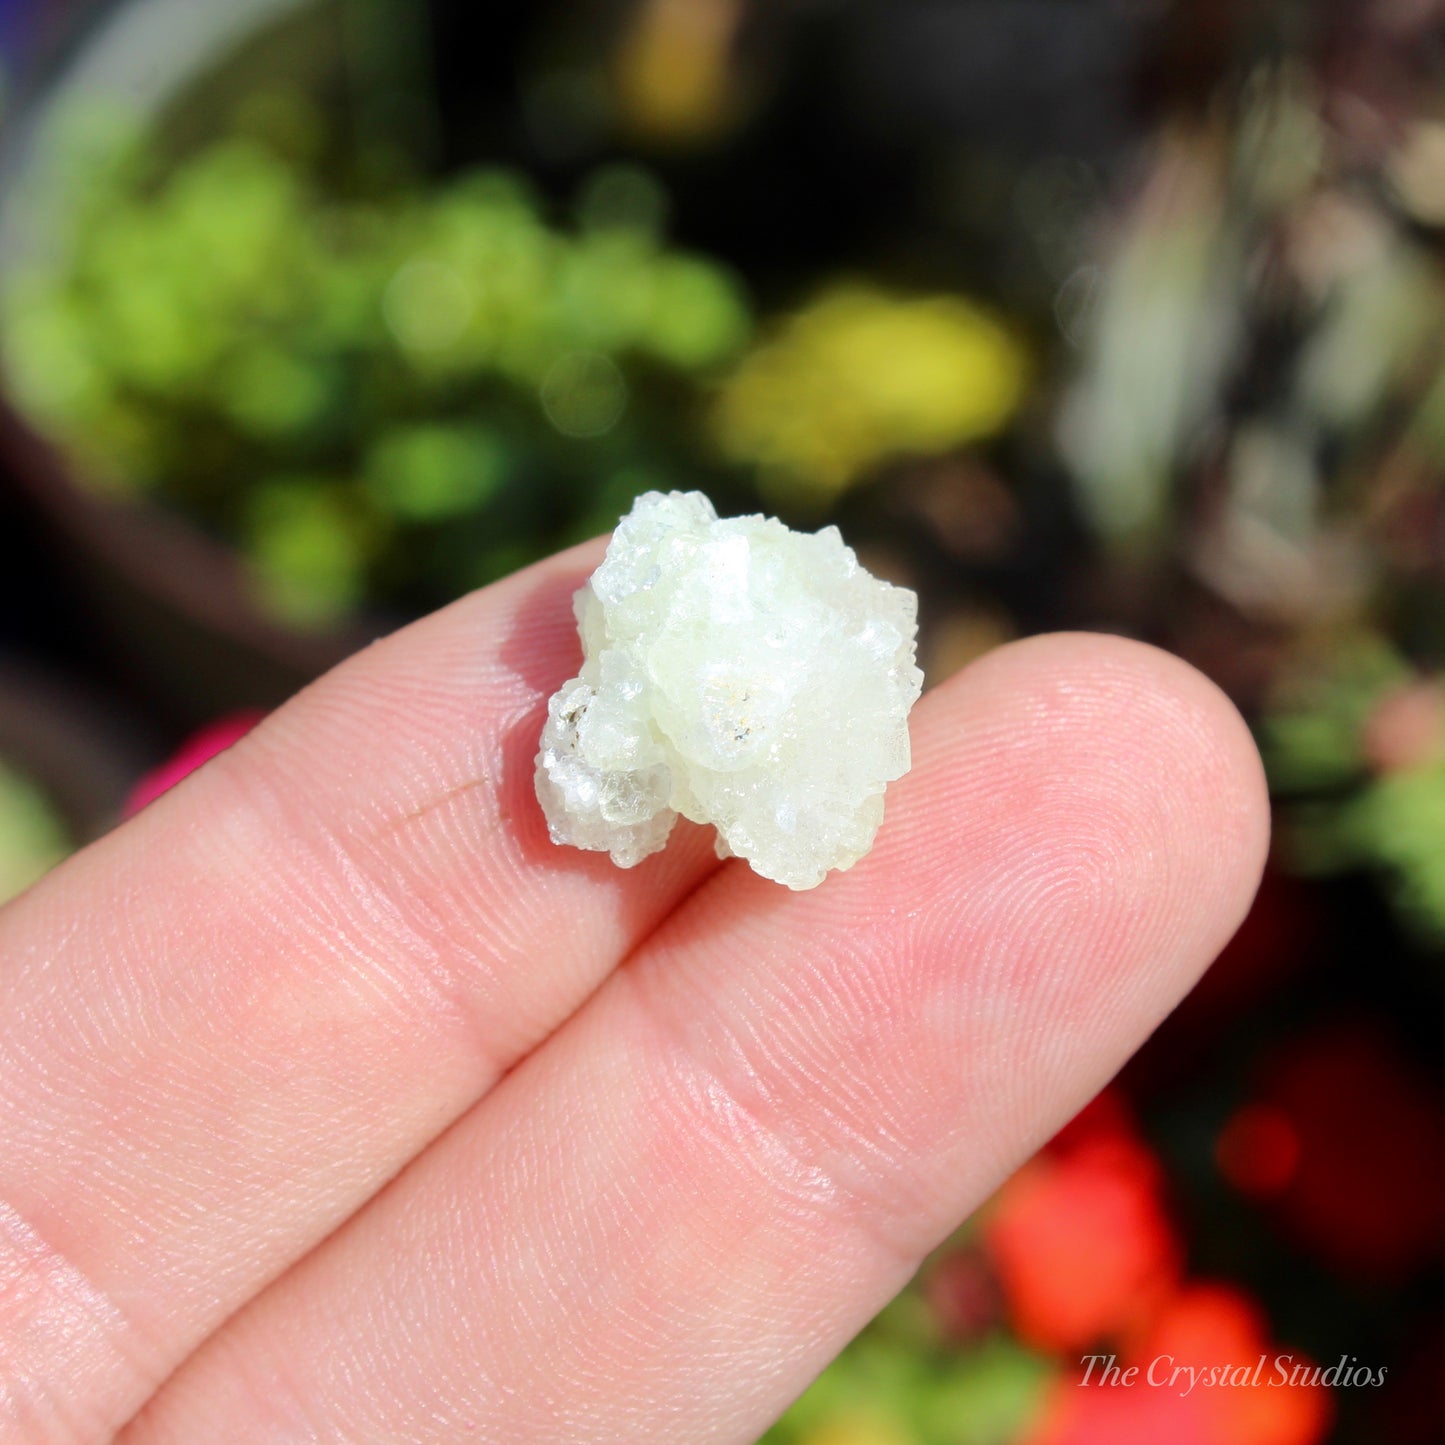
737,673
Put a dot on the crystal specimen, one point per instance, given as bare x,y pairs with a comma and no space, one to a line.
740,674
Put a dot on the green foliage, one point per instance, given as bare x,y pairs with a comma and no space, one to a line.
32,836
1398,824
1343,806
427,472
1311,737
898,1383
384,393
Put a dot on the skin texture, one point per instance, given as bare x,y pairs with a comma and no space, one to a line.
336,1104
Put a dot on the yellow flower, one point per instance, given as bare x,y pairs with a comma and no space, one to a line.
858,377
861,1429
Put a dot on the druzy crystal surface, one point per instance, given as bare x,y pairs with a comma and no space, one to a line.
737,673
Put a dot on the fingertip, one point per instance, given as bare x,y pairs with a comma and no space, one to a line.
1127,723
1083,830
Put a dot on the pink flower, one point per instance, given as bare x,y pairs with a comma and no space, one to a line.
200,747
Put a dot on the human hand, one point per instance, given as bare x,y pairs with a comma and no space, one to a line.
340,1105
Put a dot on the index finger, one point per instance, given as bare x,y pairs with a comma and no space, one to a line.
225,1026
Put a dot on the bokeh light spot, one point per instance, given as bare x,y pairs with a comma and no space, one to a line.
428,305
584,394
1258,1150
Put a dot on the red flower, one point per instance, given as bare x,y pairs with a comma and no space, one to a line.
1347,1137
1077,1414
1080,1238
1258,1150
1217,1326
1203,1373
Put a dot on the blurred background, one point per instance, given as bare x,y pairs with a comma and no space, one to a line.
1121,314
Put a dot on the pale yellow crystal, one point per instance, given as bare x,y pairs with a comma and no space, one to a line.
737,673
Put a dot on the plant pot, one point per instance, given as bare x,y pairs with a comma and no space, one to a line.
173,603
78,750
